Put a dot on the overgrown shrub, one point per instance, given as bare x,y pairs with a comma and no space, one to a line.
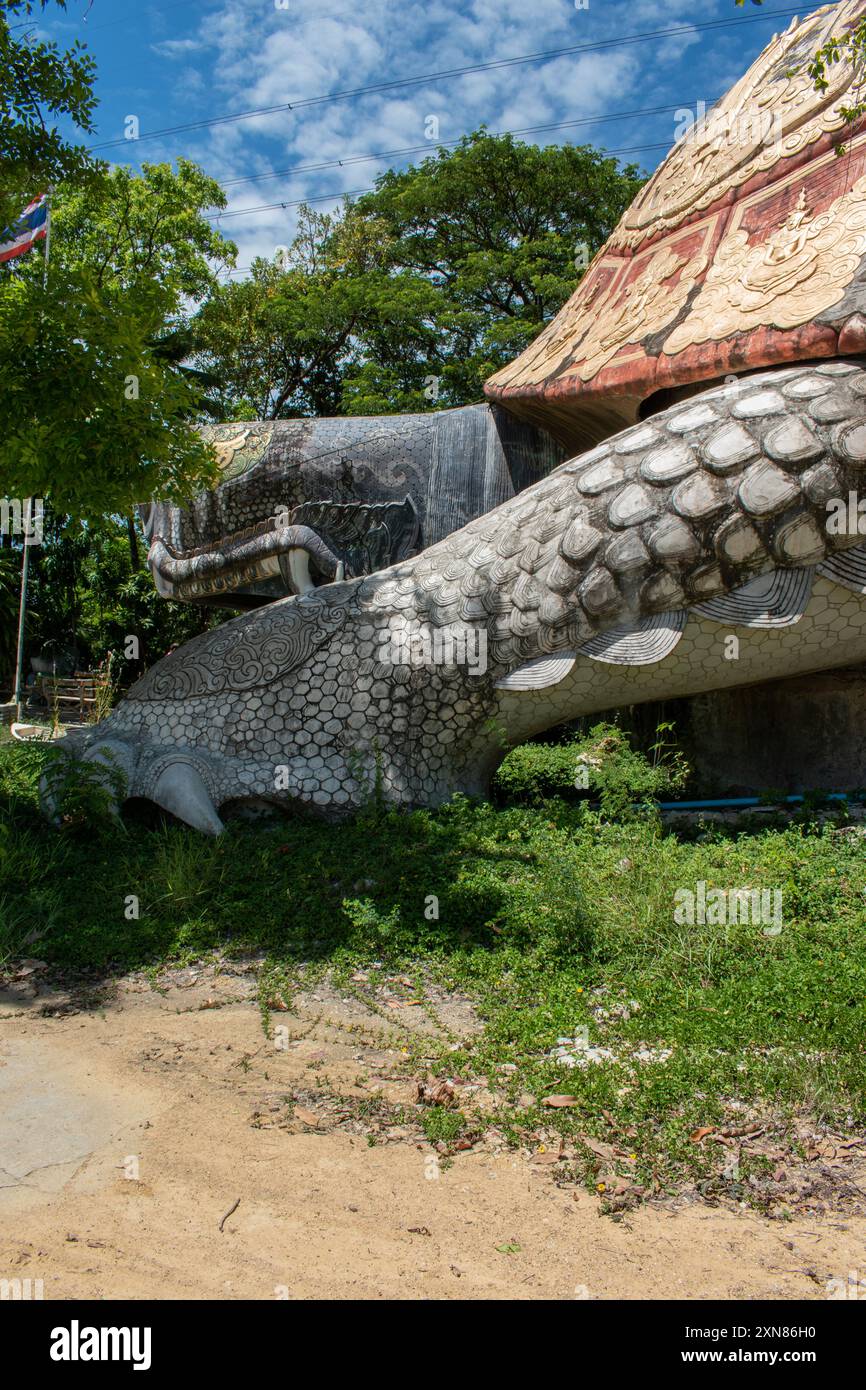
602,767
84,794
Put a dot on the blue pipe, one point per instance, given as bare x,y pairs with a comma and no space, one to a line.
739,801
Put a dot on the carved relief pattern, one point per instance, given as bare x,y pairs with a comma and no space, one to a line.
648,302
238,446
609,312
772,113
772,269
801,269
247,652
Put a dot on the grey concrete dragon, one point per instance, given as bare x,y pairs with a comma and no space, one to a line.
618,577
445,585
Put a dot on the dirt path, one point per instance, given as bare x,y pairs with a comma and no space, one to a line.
130,1127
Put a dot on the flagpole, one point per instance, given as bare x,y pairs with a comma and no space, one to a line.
28,509
47,237
19,655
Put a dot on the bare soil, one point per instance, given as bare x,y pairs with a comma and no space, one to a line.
154,1143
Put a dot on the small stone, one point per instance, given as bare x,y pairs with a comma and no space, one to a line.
820,484
635,439
598,593
672,539
627,553
851,443
800,542
668,465
692,419
729,447
661,593
739,542
807,387
793,442
580,540
600,477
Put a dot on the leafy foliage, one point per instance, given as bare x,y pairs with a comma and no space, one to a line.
96,411
504,231
414,294
86,594
551,920
39,85
850,48
84,794
602,765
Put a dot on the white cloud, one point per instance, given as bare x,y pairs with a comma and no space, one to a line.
178,48
254,55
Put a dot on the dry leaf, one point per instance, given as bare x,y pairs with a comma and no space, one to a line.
434,1092
600,1150
558,1102
307,1117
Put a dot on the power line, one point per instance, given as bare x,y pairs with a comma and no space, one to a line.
153,14
451,144
403,82
295,203
359,192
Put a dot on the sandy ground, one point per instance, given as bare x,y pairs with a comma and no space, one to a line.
131,1124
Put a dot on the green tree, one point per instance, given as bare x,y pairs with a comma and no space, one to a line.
138,229
97,403
85,591
504,231
96,412
284,341
39,85
446,270
10,584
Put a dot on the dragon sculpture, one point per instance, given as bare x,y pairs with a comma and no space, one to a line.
676,458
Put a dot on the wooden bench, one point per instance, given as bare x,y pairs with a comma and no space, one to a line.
73,697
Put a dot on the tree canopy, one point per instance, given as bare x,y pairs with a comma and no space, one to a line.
39,84
409,298
96,410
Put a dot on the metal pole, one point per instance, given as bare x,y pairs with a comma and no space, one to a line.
28,510
19,658
47,238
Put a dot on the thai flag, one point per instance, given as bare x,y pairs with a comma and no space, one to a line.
22,236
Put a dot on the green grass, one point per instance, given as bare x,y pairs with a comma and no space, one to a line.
550,918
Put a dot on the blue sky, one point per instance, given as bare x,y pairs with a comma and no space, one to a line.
172,62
